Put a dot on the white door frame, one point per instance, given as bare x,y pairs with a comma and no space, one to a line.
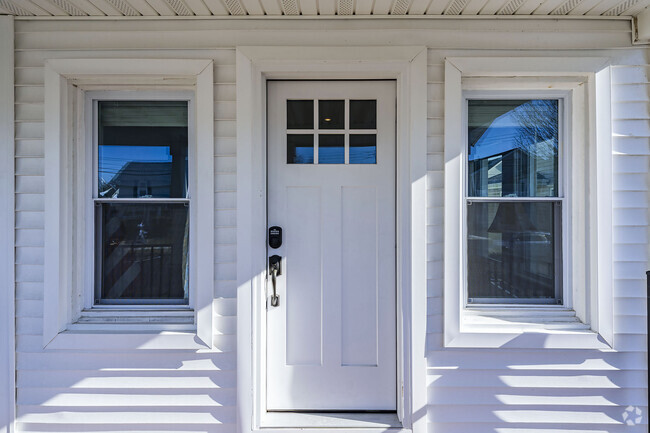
7,236
406,65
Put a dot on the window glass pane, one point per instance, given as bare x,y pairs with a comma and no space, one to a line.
513,148
363,114
300,149
300,114
363,149
142,149
331,114
143,251
513,250
331,149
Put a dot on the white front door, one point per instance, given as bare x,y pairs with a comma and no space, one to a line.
331,339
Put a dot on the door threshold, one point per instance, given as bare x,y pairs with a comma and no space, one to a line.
381,420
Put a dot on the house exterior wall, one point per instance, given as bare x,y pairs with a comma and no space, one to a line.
469,390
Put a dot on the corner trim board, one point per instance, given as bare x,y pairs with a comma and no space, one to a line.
7,233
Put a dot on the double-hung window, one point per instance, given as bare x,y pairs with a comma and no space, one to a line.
129,229
141,200
527,260
514,199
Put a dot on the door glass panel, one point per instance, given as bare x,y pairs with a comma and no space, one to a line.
142,149
363,114
512,250
363,149
300,149
331,149
331,114
144,251
513,148
300,114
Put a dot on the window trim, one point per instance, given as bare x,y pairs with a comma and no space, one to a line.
531,326
564,98
66,83
90,176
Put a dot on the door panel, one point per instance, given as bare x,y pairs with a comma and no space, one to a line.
331,341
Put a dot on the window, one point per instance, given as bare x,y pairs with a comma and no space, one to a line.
129,229
343,131
514,201
141,202
528,216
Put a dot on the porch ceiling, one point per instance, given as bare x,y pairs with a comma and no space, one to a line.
321,7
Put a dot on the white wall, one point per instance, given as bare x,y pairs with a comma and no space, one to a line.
470,391
7,368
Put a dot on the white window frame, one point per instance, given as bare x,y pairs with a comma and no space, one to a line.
69,223
408,66
564,108
89,173
586,318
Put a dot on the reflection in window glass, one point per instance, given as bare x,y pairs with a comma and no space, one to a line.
513,148
300,149
513,250
363,149
331,114
142,149
143,251
331,149
300,114
363,114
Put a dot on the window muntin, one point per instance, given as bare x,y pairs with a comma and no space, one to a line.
514,201
337,131
142,202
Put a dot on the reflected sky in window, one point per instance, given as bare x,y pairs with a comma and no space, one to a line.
142,149
513,148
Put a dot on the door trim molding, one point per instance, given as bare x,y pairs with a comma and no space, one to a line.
7,231
406,65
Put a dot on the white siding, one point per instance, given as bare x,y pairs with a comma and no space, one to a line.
473,391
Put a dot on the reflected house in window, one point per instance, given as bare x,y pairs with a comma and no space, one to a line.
515,155
513,245
146,245
143,214
140,179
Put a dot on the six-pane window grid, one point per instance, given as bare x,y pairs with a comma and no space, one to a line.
514,201
340,131
141,202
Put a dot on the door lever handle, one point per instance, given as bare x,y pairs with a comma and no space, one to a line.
275,269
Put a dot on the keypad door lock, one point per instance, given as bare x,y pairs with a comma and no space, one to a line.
275,237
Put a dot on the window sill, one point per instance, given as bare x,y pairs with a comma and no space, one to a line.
297,420
524,327
130,329
102,340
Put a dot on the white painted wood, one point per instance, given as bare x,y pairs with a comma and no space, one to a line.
261,63
260,8
59,311
642,25
603,184
453,379
7,254
334,329
458,330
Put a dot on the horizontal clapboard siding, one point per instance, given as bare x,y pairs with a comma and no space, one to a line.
537,391
138,391
468,390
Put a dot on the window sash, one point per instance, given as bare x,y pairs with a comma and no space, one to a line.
96,201
560,244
